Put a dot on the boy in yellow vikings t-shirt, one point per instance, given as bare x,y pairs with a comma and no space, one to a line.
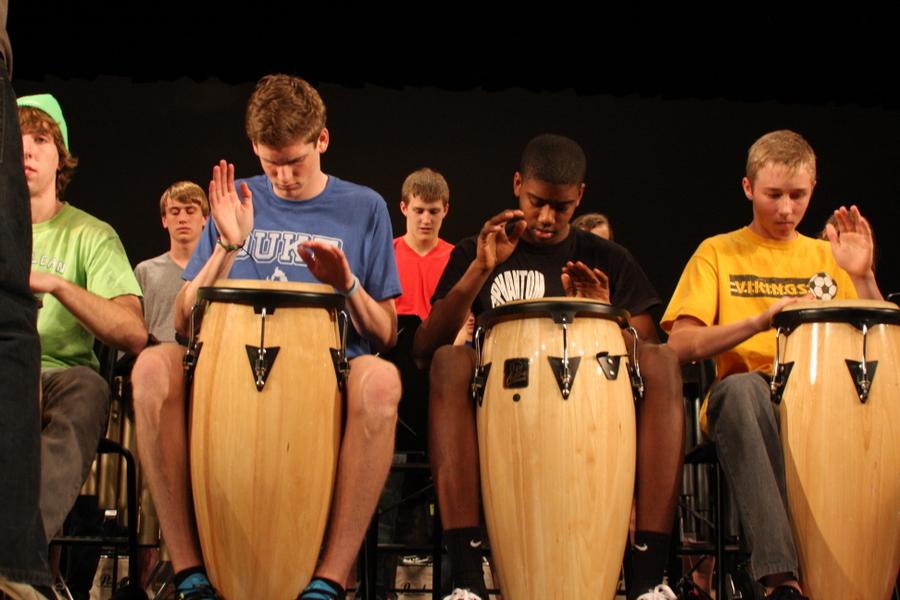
723,307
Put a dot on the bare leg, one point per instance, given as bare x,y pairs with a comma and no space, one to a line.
660,452
453,441
158,382
452,437
373,393
660,439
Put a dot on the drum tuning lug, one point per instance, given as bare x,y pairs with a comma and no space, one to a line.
341,366
190,358
564,317
609,364
863,374
479,381
261,361
564,370
637,382
779,381
634,367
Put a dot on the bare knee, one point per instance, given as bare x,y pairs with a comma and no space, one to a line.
373,391
660,358
661,372
451,371
156,373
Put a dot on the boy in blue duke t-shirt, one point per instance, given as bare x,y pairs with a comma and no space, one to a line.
293,223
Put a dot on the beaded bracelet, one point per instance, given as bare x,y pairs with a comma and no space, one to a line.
230,247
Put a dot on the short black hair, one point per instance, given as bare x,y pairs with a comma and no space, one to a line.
555,159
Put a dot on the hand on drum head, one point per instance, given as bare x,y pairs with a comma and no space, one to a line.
328,263
232,215
851,241
764,319
581,281
495,243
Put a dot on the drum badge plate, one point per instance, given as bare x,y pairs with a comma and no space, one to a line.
515,373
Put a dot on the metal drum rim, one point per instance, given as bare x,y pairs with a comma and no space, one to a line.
790,319
270,297
548,307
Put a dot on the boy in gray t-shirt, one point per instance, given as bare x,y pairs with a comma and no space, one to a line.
184,210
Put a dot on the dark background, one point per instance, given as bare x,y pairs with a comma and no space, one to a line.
665,109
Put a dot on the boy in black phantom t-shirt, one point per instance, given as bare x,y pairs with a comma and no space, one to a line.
533,253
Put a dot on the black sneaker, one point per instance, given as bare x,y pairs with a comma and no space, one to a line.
15,589
786,592
129,592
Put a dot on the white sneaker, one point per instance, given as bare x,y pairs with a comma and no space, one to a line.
19,591
461,594
660,592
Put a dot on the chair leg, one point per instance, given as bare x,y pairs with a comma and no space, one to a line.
720,535
437,554
131,481
108,446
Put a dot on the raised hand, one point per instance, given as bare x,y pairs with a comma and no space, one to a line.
851,240
233,215
495,244
581,281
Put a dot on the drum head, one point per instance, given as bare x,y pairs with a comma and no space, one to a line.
271,295
854,312
560,309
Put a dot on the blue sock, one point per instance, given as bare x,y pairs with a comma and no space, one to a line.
193,580
323,589
188,578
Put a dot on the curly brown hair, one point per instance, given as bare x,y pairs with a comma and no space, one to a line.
33,120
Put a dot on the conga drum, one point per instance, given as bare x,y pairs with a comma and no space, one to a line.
556,437
838,386
265,426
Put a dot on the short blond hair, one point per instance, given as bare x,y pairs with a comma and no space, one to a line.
184,192
427,184
782,147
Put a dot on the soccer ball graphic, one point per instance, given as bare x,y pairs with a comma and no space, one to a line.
822,286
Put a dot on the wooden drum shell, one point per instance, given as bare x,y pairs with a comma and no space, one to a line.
842,456
263,462
557,475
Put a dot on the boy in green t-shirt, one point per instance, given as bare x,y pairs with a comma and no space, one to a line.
80,270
